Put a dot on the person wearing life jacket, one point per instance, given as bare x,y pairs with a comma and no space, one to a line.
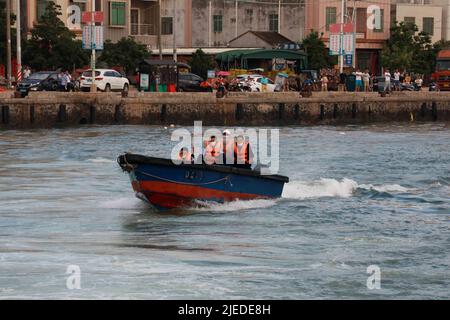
213,152
243,155
228,147
185,156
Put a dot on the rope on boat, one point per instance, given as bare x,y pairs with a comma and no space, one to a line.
185,183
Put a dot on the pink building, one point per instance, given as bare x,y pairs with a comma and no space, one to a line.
320,14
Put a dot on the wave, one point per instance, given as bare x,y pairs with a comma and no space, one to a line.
319,188
101,160
121,203
389,188
235,205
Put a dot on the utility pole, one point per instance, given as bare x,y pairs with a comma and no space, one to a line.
19,47
341,56
236,8
209,23
8,43
159,30
93,85
174,29
279,16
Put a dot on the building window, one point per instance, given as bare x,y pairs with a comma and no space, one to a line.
273,22
428,26
41,5
330,16
249,12
381,22
217,23
117,14
166,25
361,20
411,20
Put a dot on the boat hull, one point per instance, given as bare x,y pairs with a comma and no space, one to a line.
169,186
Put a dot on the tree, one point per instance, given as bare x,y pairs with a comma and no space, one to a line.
200,63
410,50
52,44
126,53
3,33
317,52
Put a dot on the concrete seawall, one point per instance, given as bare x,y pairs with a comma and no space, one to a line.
55,109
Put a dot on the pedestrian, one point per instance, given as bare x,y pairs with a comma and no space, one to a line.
397,80
26,72
387,85
358,75
324,81
366,80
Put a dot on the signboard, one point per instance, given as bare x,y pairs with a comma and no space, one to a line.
348,60
86,17
211,74
335,44
348,43
144,81
93,37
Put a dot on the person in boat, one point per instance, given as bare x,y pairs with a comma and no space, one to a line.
243,155
228,144
213,152
185,156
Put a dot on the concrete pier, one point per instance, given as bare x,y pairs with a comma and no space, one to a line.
57,109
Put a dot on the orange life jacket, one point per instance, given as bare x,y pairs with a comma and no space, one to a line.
212,152
241,154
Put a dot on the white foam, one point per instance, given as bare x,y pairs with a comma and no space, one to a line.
101,160
121,203
385,188
235,205
319,188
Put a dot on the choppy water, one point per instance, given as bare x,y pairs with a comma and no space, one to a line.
358,196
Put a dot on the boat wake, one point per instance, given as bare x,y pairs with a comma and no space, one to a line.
319,189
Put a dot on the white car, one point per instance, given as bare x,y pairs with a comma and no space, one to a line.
255,84
105,79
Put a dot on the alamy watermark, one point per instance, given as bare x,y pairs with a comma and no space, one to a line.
374,17
74,279
374,280
264,145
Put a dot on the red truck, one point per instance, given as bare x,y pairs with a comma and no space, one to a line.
442,74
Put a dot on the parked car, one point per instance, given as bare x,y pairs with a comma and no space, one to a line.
39,81
105,79
255,84
191,82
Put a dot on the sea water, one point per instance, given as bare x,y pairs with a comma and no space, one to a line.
360,197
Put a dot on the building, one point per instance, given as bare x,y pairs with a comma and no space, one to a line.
426,15
216,22
445,5
262,39
122,18
369,42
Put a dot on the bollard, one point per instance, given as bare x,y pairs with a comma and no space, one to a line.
32,114
163,113
5,114
434,111
322,112
297,112
281,111
62,113
92,114
239,111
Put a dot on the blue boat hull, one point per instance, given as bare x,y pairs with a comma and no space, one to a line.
169,186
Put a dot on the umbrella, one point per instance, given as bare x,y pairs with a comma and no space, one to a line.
282,74
223,74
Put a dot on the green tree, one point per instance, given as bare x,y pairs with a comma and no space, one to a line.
200,63
3,34
410,50
52,44
126,53
317,52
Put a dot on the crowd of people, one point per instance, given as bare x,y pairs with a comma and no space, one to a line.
226,150
364,81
